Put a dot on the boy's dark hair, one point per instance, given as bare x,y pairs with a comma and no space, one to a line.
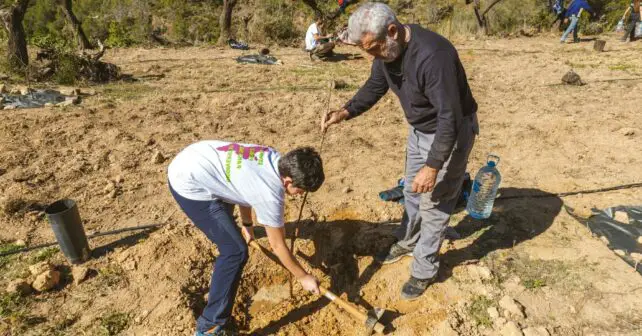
305,168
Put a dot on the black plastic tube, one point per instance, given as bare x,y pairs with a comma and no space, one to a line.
67,227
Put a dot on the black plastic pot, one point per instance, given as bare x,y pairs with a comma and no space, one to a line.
66,224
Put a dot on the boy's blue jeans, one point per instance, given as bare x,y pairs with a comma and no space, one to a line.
573,26
215,219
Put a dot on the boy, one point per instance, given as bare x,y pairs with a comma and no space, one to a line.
318,46
209,178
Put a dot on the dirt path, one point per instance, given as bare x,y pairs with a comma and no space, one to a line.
551,138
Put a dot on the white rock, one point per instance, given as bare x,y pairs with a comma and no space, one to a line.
512,307
535,331
20,243
18,286
9,107
511,329
621,217
493,312
79,273
40,268
636,256
480,272
69,91
46,281
25,90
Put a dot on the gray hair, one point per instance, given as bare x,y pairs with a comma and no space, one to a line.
372,17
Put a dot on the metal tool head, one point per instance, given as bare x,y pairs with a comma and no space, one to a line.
372,320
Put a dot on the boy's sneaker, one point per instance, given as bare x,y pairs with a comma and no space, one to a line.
414,287
394,254
216,331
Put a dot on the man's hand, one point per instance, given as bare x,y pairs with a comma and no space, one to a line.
425,180
248,233
310,283
333,117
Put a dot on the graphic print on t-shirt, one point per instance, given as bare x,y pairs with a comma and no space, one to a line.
253,153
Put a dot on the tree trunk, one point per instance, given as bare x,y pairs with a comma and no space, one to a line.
83,42
17,44
226,20
313,4
482,20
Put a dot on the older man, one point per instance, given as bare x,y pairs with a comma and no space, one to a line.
423,69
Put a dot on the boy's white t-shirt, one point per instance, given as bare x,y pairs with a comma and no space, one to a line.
310,42
243,174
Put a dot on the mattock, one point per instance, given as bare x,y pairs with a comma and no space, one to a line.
370,319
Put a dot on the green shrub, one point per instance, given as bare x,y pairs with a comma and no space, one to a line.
118,36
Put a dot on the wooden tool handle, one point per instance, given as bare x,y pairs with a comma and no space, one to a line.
350,308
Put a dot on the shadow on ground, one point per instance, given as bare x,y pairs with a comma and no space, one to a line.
339,245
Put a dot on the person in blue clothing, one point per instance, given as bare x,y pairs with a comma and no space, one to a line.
573,13
560,11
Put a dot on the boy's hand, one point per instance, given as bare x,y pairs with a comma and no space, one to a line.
248,233
310,283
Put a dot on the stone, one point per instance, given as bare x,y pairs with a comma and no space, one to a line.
49,105
129,265
69,91
511,329
158,158
119,179
46,281
640,240
604,240
493,312
15,91
636,256
622,217
79,274
25,90
347,190
113,193
536,331
19,286
20,243
512,307
480,272
88,92
40,268
109,187
9,107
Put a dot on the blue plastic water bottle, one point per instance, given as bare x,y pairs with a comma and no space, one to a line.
484,190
